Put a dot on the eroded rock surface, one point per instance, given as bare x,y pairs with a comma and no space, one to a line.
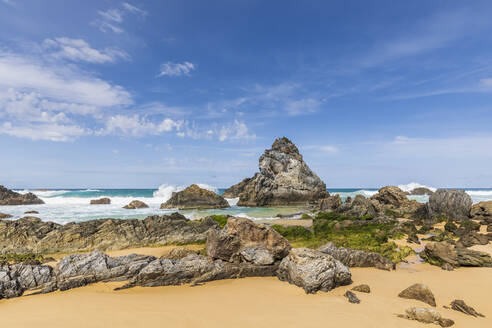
195,197
440,253
9,197
284,179
451,203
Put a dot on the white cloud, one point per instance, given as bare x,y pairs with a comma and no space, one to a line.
108,27
133,9
114,15
80,50
176,69
302,106
137,126
51,132
235,130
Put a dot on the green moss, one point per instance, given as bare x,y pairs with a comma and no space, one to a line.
306,216
21,258
332,216
367,217
450,226
470,225
293,233
220,219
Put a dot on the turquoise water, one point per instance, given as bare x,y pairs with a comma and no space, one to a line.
67,205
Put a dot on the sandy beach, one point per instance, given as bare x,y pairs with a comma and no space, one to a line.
255,302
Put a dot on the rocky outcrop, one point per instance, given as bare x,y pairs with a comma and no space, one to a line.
101,201
451,203
195,197
461,306
482,210
243,240
33,235
426,315
134,204
356,258
440,253
313,270
473,238
5,216
391,197
235,190
15,279
360,206
419,292
9,197
284,179
330,203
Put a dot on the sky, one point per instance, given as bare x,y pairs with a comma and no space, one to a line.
136,94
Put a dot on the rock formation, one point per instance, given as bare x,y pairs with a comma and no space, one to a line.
482,210
440,253
101,201
235,190
9,197
284,179
426,315
357,258
461,306
421,191
419,292
134,204
453,204
313,270
195,197
33,235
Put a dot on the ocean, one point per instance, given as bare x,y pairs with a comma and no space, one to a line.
72,205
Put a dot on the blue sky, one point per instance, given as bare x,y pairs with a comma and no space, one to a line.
143,93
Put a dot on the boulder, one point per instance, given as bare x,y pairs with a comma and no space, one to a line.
472,238
330,203
243,240
284,179
134,204
419,292
426,315
482,209
17,278
451,203
195,197
461,306
420,191
360,206
31,235
101,201
362,288
313,270
9,197
357,258
235,190
394,199
5,216
352,298
440,253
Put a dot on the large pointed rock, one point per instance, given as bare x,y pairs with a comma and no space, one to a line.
284,179
9,197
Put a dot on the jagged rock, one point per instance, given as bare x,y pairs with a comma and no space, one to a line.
101,201
419,292
461,306
235,190
360,206
17,278
195,197
473,238
5,216
81,269
134,204
482,209
178,253
30,234
313,270
357,258
243,240
421,191
284,179
31,212
391,195
362,288
330,203
426,315
452,203
443,252
9,197
352,298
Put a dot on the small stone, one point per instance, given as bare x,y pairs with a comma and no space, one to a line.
461,306
362,288
419,292
352,298
447,267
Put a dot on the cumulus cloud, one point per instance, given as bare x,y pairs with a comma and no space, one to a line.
137,126
235,130
80,50
176,69
111,19
51,132
114,15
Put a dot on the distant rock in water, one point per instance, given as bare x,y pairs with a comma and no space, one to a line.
5,216
420,191
134,204
31,212
195,197
284,179
9,197
101,201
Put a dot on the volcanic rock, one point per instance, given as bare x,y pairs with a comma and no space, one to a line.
284,179
134,204
9,197
101,201
313,270
195,197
